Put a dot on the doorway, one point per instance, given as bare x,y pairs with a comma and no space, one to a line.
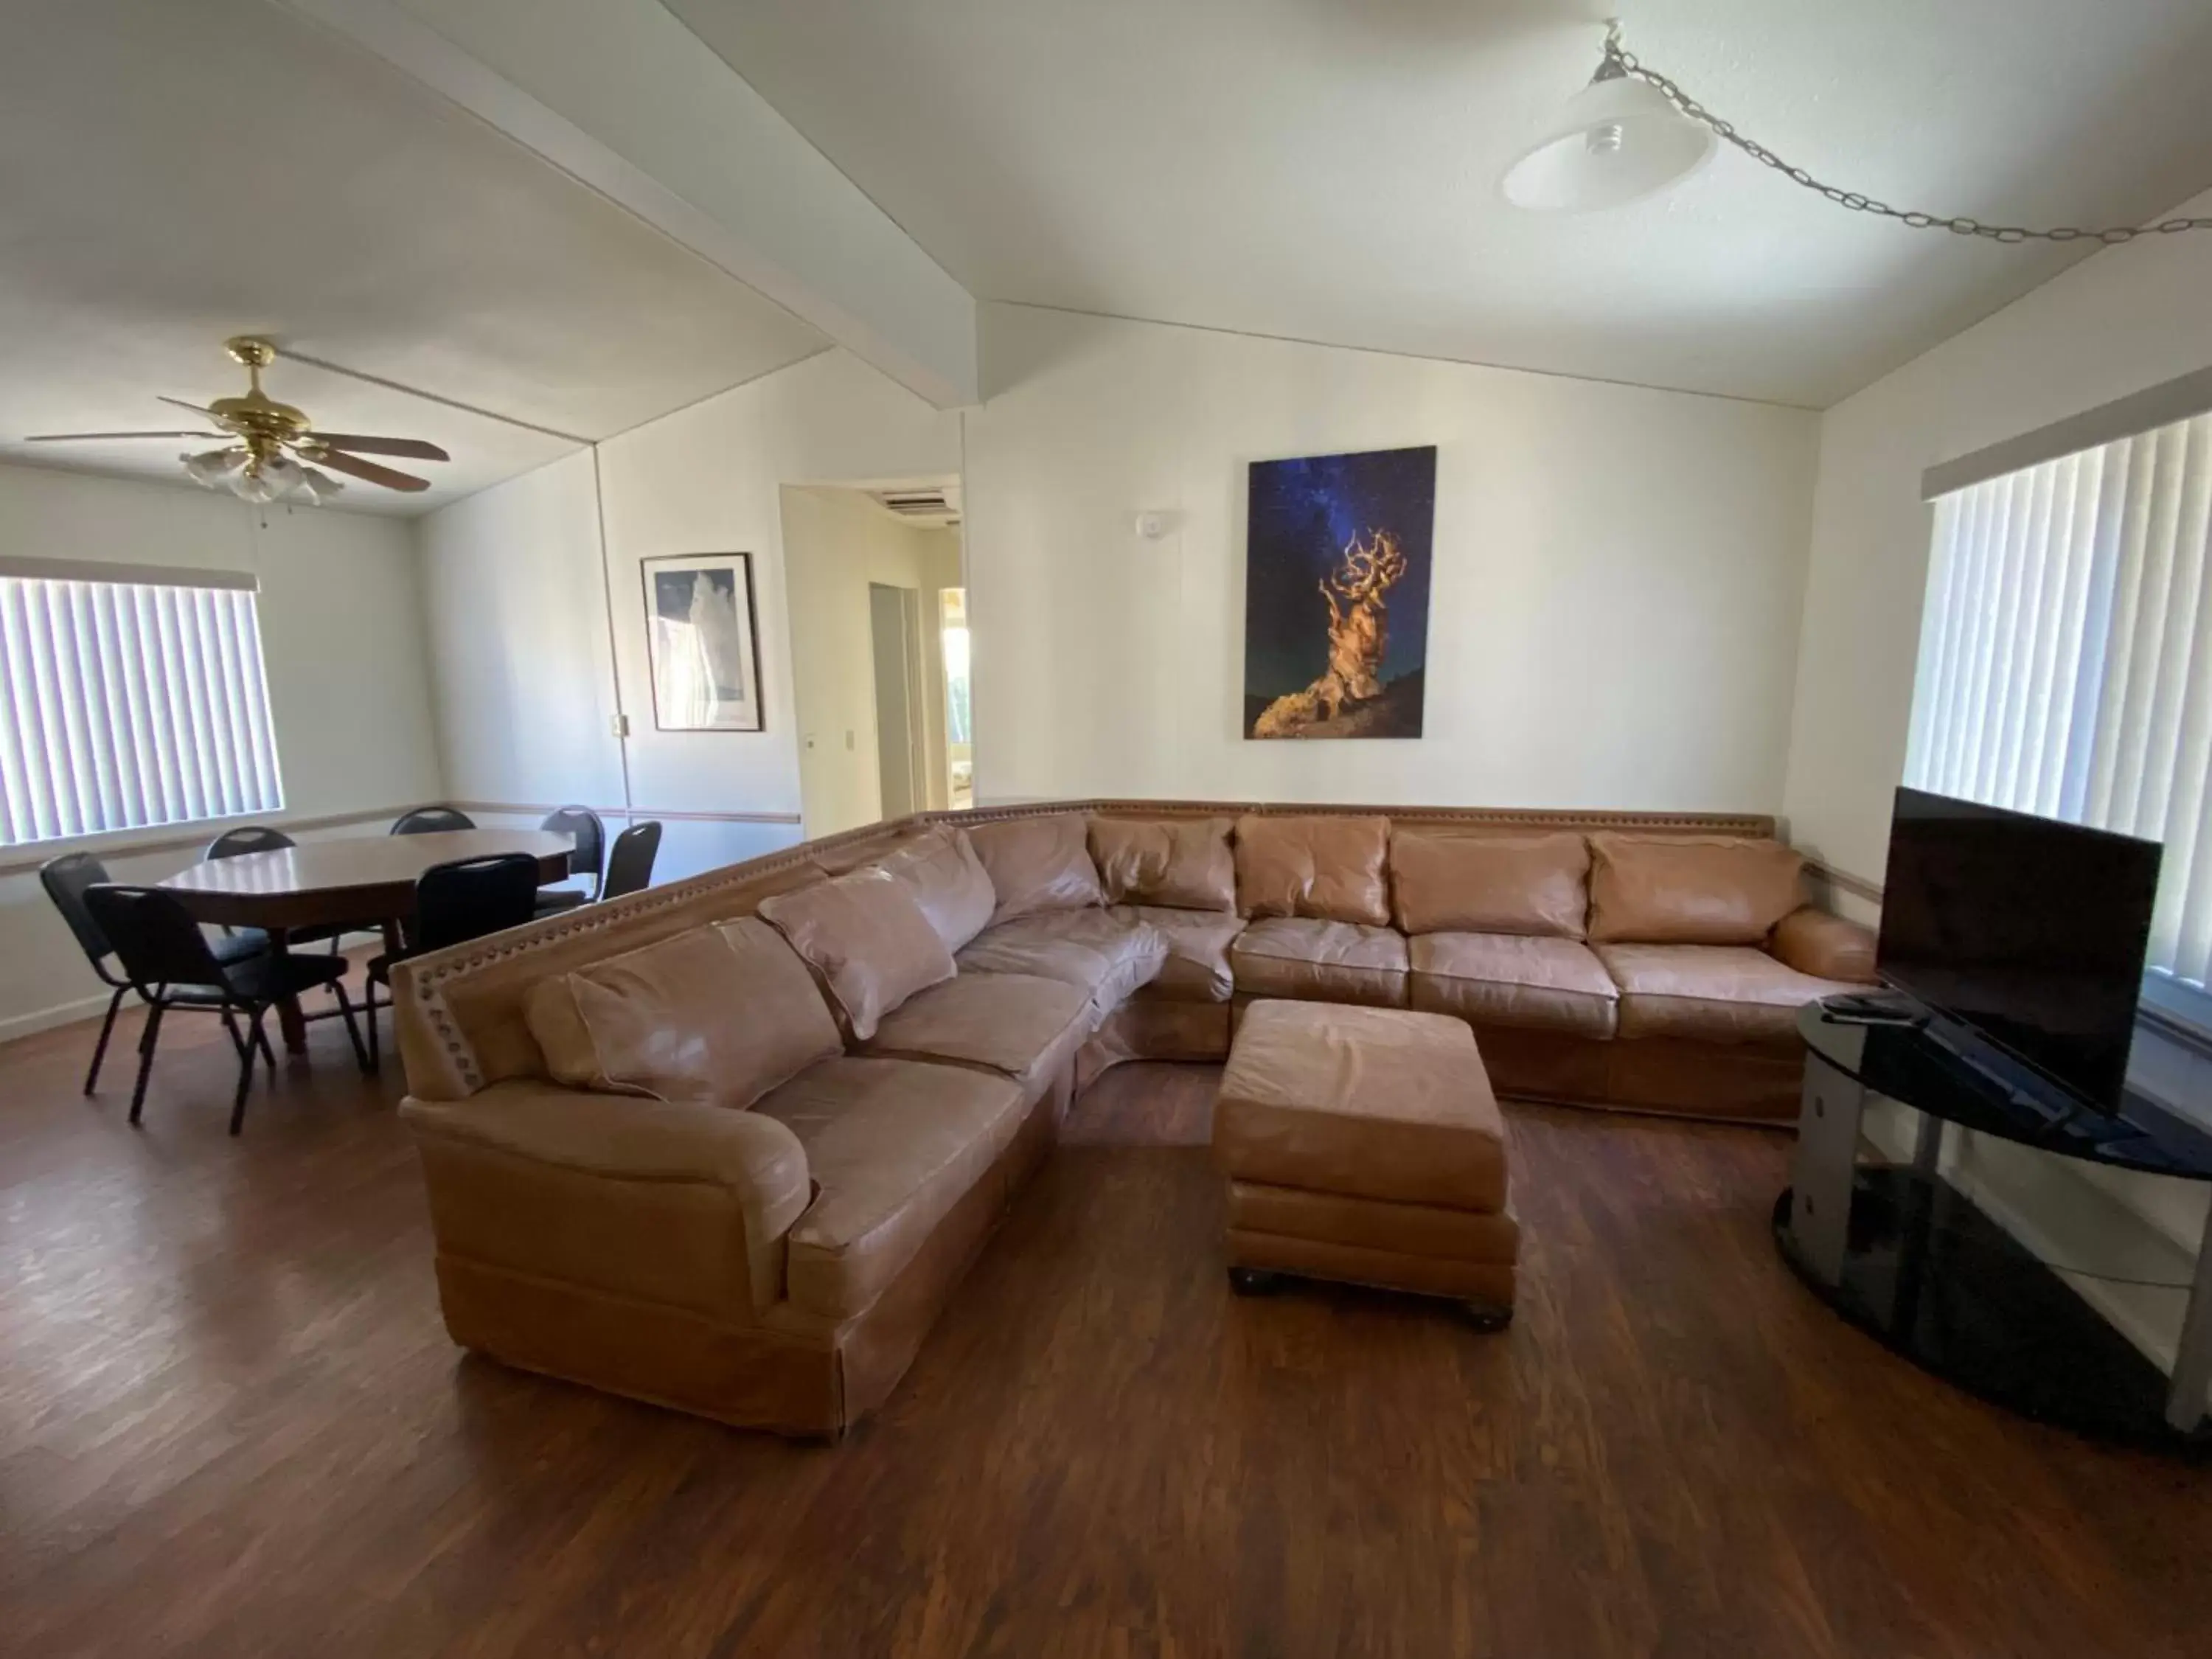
865,571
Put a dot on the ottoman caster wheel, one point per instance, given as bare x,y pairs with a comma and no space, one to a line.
1487,1316
1253,1281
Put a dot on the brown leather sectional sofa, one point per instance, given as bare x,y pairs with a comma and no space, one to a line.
728,1145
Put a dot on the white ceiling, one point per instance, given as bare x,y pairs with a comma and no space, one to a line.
171,174
1325,169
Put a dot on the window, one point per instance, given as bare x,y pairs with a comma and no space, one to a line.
134,696
2066,658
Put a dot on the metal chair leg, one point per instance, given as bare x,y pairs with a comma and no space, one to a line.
146,1042
368,1009
106,1031
256,1037
267,1053
353,1031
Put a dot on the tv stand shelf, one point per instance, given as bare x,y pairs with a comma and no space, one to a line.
1909,1259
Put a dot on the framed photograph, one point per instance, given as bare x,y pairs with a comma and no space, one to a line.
702,637
1336,594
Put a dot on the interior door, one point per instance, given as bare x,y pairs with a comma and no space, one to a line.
894,623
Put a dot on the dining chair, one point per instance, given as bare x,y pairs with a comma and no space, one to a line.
629,866
455,902
431,820
169,964
581,825
66,880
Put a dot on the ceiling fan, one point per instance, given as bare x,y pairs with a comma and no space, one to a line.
275,454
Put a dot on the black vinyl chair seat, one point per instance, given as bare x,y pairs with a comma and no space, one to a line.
169,962
584,827
455,902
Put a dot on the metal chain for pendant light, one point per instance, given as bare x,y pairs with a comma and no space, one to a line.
1619,61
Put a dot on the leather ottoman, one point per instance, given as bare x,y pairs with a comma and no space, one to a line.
1364,1146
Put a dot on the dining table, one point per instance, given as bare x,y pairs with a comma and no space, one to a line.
349,882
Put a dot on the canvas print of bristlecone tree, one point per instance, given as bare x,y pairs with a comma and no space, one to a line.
1336,594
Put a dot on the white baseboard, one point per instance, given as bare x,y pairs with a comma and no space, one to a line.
45,1019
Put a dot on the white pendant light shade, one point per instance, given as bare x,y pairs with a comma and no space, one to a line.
1617,141
211,468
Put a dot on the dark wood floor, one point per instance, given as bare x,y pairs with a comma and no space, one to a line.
231,1425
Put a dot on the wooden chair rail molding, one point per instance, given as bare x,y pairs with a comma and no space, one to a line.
189,836
665,814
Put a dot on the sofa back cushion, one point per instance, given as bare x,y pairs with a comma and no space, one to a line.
1326,866
1458,881
1689,889
868,941
1037,864
947,880
717,1015
1179,864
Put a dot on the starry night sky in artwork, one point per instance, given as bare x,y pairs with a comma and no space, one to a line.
1302,513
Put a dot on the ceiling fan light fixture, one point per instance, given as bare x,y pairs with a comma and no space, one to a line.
210,468
1617,141
317,486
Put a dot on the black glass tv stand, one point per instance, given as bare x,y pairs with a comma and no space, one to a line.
1907,1257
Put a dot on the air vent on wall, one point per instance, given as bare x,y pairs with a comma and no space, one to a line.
932,504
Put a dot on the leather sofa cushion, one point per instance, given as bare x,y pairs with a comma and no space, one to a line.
1196,967
1689,889
1369,1102
717,1015
1509,979
1826,946
948,881
1324,865
867,938
1037,864
1310,960
1463,882
1102,952
1714,993
1176,863
891,1145
1015,1025
1369,1223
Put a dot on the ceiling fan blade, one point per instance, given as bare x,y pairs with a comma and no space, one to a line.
89,437
370,471
195,408
414,448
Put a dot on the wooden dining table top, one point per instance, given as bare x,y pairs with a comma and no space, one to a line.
347,878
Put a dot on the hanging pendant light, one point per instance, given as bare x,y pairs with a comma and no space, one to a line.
1618,141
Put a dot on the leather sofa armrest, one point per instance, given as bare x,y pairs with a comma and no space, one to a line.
682,1205
1826,946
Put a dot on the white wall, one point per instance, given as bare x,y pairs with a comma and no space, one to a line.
2123,319
517,628
1614,608
703,480
836,543
341,614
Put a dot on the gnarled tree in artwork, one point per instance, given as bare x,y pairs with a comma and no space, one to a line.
1357,592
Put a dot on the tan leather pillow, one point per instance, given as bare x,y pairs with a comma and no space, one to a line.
718,1015
940,869
1689,889
1330,868
867,938
1182,864
1037,864
1459,881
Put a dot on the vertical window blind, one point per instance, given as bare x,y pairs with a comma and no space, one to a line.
2066,658
129,703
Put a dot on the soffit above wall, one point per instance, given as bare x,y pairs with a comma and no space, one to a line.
177,173
1325,169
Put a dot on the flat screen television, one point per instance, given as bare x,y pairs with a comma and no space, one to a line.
2029,932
